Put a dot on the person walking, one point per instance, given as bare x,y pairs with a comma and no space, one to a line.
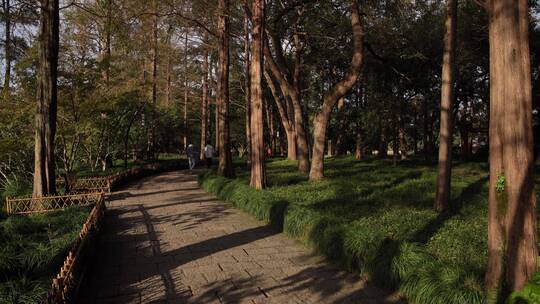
192,155
208,154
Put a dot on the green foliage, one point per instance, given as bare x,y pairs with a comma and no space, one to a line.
33,249
530,293
378,219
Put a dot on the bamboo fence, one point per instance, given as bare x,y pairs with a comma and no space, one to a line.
66,284
50,203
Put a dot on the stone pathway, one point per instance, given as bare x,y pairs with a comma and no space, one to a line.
167,241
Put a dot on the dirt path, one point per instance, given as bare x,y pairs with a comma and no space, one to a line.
168,241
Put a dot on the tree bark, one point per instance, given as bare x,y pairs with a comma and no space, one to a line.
512,249
225,167
258,167
8,49
44,169
442,198
247,85
339,90
204,100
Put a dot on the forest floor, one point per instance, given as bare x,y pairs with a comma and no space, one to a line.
378,219
167,241
33,250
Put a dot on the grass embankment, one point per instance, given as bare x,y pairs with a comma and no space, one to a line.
32,251
376,218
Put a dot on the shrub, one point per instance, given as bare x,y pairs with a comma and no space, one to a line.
378,219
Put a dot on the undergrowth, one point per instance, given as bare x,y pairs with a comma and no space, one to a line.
33,249
376,218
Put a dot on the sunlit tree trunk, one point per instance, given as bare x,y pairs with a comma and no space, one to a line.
258,167
225,167
44,169
512,248
442,199
204,100
247,85
339,90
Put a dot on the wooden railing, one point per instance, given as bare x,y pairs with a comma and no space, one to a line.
66,283
50,203
87,184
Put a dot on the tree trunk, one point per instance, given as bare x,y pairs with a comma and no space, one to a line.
291,91
271,126
168,89
44,169
339,138
8,52
299,125
286,121
108,33
152,141
358,154
442,198
186,91
258,168
512,249
225,167
204,101
339,90
247,85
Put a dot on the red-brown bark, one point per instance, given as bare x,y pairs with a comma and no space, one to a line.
225,166
258,167
45,167
512,248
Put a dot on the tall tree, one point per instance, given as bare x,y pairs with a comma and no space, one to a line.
204,100
512,247
186,90
258,170
225,167
152,141
290,89
442,199
44,162
330,99
247,83
7,47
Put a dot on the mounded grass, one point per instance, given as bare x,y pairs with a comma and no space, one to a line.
376,218
32,250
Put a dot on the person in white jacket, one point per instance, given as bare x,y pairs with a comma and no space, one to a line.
208,154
